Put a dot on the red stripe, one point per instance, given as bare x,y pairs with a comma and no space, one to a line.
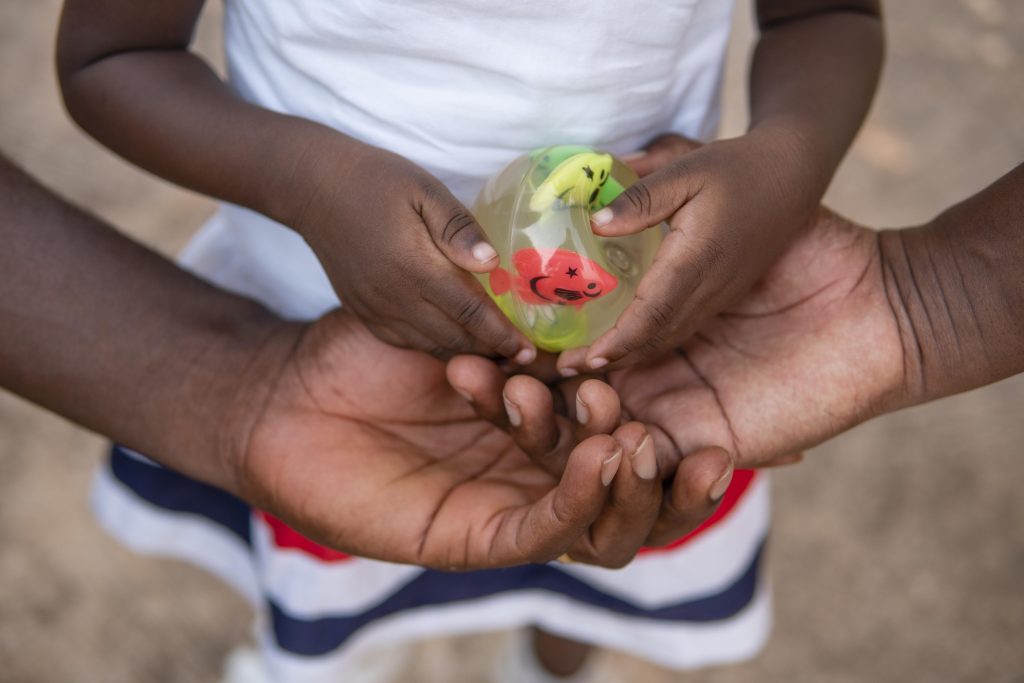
286,537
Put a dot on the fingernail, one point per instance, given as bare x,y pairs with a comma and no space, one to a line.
645,465
464,394
582,411
514,416
568,372
610,467
526,355
633,156
602,217
598,363
719,488
483,252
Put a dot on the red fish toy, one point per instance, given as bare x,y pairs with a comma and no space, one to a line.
553,277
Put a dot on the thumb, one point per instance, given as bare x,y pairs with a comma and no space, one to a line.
455,232
649,201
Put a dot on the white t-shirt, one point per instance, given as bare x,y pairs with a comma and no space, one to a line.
461,88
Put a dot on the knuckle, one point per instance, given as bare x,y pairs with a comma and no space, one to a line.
638,196
713,254
459,226
611,558
471,313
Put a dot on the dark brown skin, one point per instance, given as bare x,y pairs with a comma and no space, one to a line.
848,324
357,444
126,72
733,206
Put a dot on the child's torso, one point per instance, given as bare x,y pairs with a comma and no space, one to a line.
460,87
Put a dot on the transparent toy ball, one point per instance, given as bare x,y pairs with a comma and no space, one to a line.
561,284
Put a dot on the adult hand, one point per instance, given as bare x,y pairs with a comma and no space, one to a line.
366,448
547,424
814,349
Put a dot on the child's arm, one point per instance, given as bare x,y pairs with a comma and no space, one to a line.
734,205
394,242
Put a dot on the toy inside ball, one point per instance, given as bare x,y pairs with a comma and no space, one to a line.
561,284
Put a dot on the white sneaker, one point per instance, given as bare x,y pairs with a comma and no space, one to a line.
245,665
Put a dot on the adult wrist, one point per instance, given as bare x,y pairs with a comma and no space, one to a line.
944,311
230,368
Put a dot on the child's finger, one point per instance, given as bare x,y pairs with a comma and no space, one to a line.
470,309
549,527
455,231
649,201
571,360
700,482
664,297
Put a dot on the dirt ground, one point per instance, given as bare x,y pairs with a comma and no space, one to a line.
898,548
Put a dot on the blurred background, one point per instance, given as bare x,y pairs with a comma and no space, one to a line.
898,548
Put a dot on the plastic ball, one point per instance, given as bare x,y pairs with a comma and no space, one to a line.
561,284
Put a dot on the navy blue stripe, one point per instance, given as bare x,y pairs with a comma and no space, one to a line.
168,489
176,492
317,637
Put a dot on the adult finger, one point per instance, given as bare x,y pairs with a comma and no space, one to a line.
534,427
596,409
633,506
548,528
783,460
480,381
701,479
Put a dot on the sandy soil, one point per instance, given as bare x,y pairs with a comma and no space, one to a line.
898,549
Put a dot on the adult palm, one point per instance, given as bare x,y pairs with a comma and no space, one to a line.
814,349
366,448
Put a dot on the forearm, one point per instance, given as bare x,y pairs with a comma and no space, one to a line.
114,337
812,79
129,79
956,287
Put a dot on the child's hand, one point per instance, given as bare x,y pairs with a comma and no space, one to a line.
396,245
732,207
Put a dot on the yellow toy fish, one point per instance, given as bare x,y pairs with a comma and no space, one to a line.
577,181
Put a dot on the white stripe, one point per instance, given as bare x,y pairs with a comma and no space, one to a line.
675,645
705,565
153,530
309,588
